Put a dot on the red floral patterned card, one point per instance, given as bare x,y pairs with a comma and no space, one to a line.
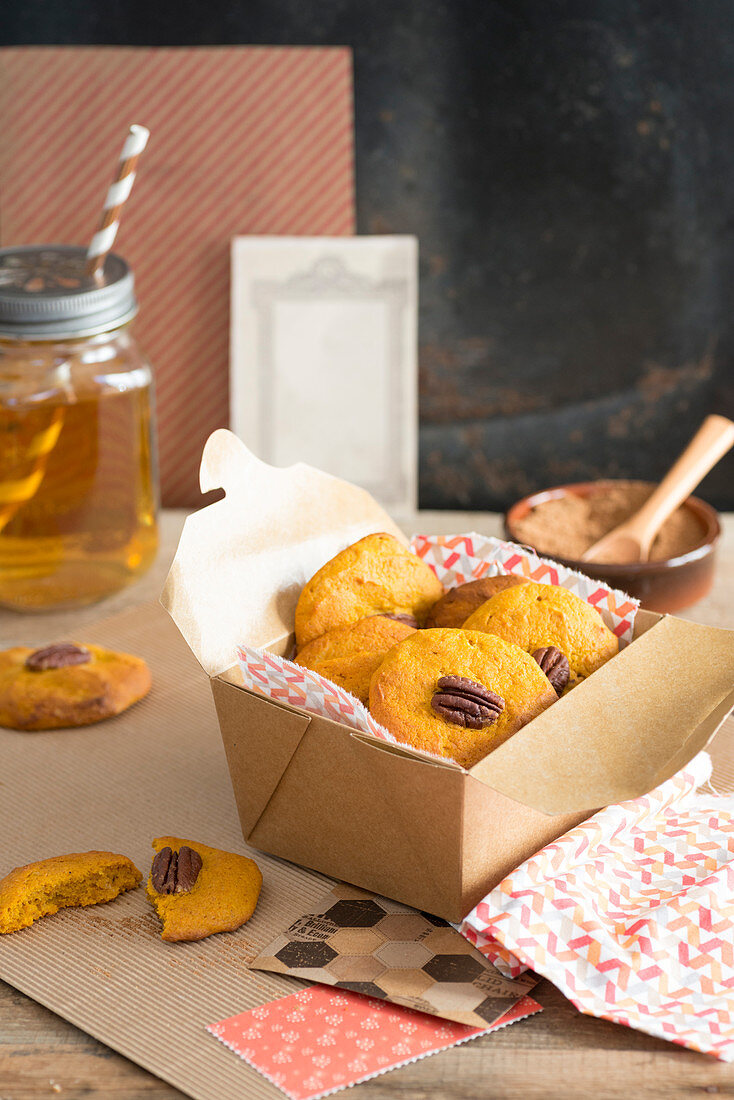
321,1040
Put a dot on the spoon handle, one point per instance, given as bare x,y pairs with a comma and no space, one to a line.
710,443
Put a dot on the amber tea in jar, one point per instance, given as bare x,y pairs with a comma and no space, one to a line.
78,477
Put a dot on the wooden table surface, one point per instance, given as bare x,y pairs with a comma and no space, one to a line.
557,1054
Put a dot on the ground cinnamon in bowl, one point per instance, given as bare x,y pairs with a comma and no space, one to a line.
567,525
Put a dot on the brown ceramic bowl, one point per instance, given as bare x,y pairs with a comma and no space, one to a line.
665,585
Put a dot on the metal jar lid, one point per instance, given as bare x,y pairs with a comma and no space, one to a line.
46,295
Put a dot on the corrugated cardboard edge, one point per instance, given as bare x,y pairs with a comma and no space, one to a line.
157,768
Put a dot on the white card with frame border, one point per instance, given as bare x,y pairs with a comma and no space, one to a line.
323,365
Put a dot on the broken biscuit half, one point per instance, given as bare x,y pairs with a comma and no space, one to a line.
198,891
82,878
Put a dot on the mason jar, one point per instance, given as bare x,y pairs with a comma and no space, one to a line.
78,474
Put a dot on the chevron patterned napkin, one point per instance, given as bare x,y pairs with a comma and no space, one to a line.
631,914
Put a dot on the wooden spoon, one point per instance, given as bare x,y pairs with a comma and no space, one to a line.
631,541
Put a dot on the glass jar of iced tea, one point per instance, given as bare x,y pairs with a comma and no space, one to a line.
78,477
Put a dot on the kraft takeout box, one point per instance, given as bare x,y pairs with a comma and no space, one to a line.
384,816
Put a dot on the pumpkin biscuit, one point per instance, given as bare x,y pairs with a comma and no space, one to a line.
198,891
457,693
373,576
457,605
67,684
350,654
83,878
534,616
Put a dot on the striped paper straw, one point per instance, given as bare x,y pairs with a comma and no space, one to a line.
117,196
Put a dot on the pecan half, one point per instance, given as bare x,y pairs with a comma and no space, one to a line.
175,872
409,620
462,702
555,665
60,655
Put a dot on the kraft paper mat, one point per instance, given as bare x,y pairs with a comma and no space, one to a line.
158,769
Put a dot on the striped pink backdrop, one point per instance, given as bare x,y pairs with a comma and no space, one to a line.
243,140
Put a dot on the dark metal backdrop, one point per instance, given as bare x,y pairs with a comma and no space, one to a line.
568,166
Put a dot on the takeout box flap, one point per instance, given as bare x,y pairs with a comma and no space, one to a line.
630,726
241,563
260,738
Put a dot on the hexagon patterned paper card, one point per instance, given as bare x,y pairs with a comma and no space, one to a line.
369,944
